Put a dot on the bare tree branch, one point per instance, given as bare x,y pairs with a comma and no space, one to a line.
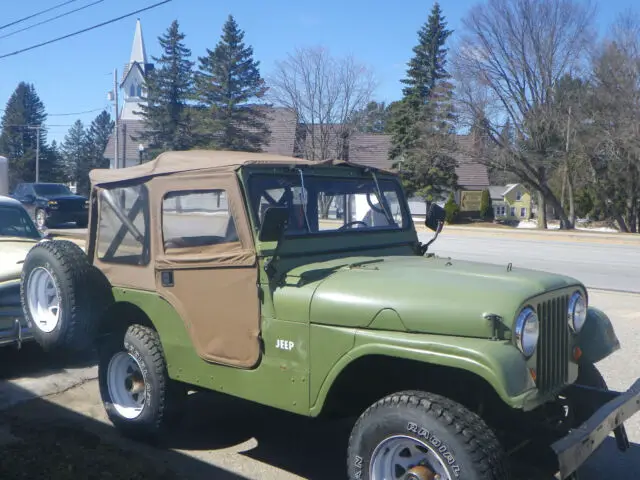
326,93
511,57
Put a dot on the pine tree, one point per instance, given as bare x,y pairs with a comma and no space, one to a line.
18,142
96,139
228,84
486,206
428,66
428,91
58,170
167,116
74,152
423,124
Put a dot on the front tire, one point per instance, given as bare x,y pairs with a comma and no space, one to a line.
416,435
139,397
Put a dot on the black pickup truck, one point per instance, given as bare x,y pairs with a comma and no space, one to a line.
51,204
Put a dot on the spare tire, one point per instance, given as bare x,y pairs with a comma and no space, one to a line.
61,295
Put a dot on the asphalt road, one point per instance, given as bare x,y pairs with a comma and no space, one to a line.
609,266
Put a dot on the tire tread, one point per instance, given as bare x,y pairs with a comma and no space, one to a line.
482,444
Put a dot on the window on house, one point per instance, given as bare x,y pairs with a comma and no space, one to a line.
518,195
132,91
513,211
197,218
523,212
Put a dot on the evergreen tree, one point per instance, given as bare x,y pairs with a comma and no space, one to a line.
422,126
486,206
57,171
18,141
167,116
374,118
228,84
97,137
74,152
427,67
427,86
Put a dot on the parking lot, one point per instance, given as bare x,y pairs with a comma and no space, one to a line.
227,438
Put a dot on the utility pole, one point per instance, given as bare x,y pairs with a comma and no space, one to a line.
37,129
115,95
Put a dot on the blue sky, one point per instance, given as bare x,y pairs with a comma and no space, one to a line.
74,75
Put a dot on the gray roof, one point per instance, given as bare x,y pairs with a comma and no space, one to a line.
282,123
289,138
371,149
496,192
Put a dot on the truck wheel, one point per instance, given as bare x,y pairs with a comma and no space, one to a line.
418,436
139,397
59,293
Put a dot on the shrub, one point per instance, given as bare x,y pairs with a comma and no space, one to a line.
451,209
486,206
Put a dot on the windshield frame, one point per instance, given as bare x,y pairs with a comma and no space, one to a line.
310,173
36,234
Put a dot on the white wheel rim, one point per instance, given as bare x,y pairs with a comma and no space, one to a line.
43,298
126,386
402,457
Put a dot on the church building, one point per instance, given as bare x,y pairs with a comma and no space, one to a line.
131,95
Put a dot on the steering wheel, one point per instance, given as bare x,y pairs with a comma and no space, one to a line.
352,223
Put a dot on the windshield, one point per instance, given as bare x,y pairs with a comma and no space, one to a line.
46,189
329,204
15,222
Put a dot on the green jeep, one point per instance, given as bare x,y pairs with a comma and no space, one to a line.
303,286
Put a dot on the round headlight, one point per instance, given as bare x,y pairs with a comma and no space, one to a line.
527,331
577,313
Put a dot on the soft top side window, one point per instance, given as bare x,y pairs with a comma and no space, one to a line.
197,218
123,225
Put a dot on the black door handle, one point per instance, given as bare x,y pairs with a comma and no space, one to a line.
166,278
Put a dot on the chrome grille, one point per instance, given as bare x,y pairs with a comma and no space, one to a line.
553,344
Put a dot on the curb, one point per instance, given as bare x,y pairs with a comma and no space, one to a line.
551,235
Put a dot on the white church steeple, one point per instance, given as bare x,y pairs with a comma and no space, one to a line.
138,52
133,78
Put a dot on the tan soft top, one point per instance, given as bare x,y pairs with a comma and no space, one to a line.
182,161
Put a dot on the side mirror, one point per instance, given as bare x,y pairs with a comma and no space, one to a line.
274,223
435,218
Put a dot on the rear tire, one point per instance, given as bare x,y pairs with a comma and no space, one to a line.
61,296
139,397
389,437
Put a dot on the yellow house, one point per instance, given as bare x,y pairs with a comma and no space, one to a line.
511,202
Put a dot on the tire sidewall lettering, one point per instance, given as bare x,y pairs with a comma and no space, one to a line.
144,369
439,447
357,466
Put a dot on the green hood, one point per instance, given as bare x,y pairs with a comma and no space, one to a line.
427,295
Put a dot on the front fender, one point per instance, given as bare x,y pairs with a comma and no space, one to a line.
597,339
499,363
